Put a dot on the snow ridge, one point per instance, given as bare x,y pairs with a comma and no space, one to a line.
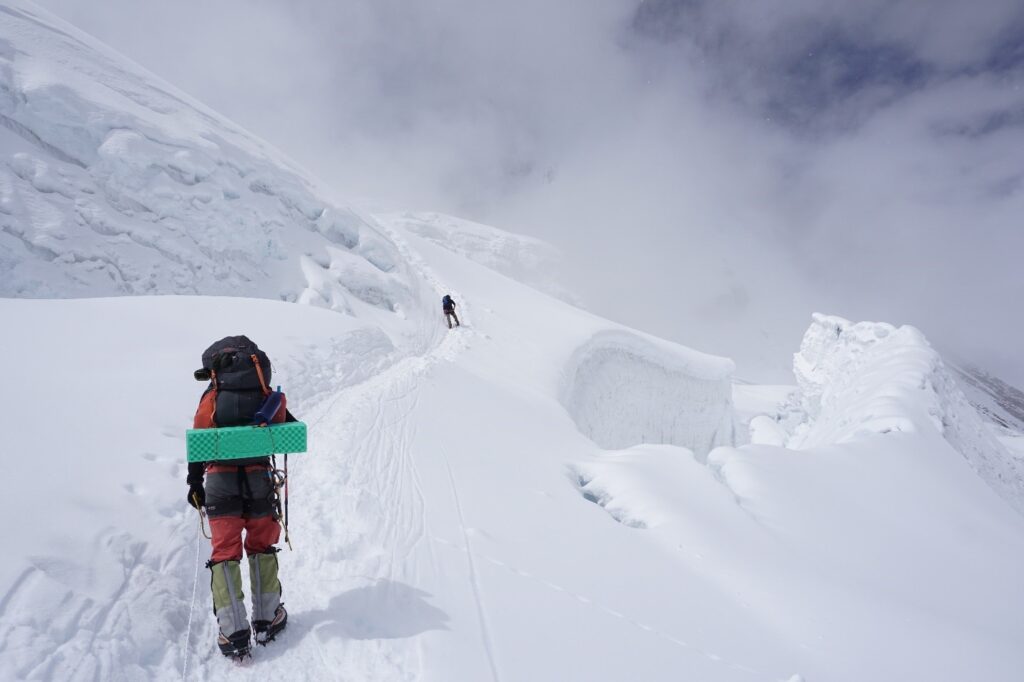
873,377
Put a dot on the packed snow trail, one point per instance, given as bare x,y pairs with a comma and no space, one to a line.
356,514
426,560
374,590
80,615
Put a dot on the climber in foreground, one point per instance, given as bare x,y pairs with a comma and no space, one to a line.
448,305
239,495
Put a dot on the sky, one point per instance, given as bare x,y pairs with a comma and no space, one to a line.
712,170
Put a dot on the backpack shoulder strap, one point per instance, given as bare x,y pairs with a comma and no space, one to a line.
205,413
259,373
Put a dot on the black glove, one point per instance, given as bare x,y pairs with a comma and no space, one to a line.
197,495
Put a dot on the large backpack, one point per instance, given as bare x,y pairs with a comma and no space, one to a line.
240,375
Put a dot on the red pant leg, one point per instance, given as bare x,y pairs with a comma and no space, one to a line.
227,537
261,534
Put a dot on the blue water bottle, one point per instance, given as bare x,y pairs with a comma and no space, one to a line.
268,410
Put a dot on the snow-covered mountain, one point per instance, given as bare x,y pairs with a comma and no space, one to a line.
994,398
540,494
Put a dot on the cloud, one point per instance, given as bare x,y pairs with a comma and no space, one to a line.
714,170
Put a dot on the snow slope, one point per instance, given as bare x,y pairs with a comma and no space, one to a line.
461,514
101,593
97,586
115,183
452,522
524,259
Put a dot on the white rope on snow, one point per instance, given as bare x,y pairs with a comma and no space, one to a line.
192,605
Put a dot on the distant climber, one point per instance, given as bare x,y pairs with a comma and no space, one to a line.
239,495
448,305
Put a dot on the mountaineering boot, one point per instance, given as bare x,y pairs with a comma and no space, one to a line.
229,607
268,614
266,631
234,646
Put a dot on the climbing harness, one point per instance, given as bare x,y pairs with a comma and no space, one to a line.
279,481
202,517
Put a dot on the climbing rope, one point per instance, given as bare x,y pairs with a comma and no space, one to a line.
286,536
192,604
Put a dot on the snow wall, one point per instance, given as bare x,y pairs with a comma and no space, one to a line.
623,390
876,378
114,183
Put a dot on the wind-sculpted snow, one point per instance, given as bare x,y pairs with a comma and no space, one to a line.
623,390
876,378
113,183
